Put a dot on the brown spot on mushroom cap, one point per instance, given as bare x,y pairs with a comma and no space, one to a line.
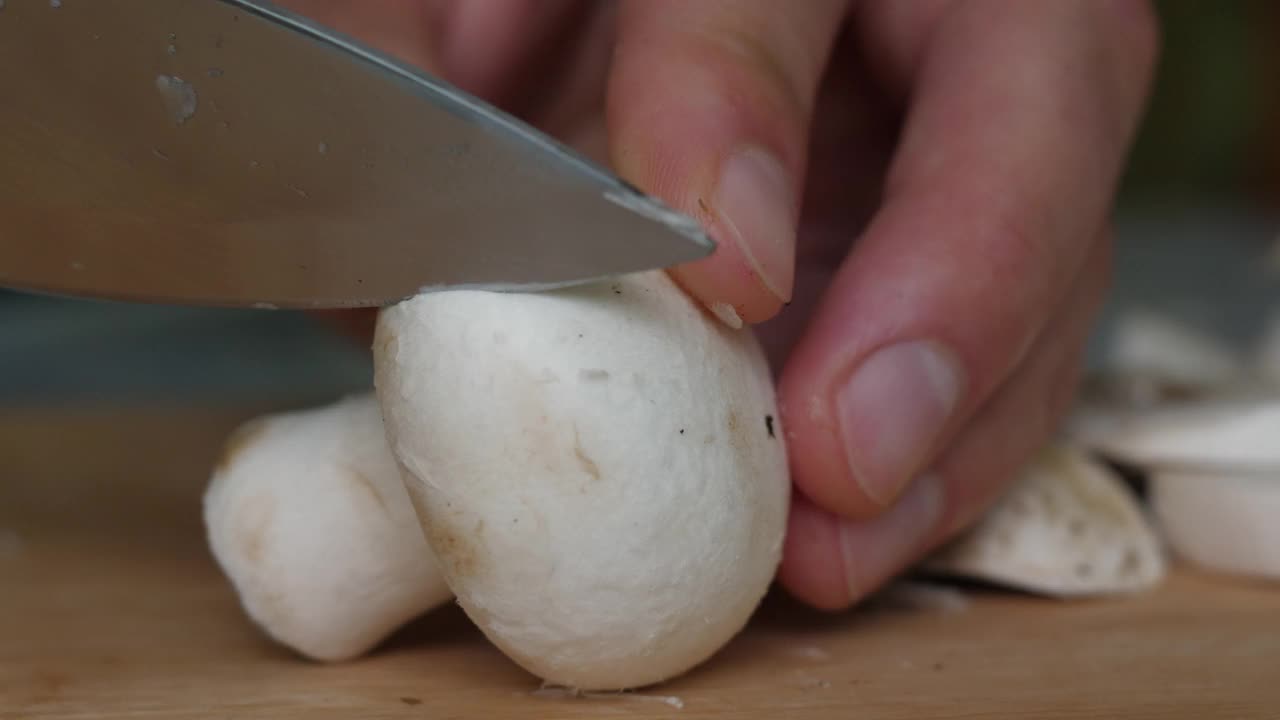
254,520
457,545
460,549
387,339
363,482
588,465
739,438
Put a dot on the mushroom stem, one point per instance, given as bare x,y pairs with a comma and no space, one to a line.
308,517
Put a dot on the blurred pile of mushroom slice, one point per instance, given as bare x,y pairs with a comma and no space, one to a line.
1171,451
1198,423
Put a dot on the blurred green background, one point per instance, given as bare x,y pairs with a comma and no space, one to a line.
1212,134
1196,217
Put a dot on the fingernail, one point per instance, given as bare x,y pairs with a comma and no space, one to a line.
755,201
874,550
891,411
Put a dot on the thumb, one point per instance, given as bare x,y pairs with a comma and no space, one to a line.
708,108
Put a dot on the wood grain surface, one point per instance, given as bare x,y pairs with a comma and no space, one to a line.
110,606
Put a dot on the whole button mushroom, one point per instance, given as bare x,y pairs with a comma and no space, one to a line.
600,471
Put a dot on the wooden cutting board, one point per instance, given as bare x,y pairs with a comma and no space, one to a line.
110,606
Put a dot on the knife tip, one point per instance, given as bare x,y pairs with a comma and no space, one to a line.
635,200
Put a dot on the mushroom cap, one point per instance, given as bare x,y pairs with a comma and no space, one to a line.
1228,433
600,470
307,516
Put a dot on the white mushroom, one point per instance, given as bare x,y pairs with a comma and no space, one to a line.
1169,352
309,519
1229,432
1224,522
1068,528
601,471
1151,362
1215,480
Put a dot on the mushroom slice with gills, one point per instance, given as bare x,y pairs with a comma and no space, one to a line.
1225,522
1069,527
600,470
1152,362
1233,431
307,516
1214,470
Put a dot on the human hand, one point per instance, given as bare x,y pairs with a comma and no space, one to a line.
911,201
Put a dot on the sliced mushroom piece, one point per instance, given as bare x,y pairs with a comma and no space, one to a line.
1224,522
1214,472
1170,352
1068,528
1225,433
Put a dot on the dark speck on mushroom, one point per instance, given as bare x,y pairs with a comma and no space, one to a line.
681,431
768,425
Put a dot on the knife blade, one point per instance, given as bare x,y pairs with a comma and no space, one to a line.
230,152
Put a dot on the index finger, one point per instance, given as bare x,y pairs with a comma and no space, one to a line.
1019,121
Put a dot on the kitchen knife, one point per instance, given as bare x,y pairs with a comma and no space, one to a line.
230,152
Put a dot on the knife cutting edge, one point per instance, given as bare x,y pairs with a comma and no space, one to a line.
230,152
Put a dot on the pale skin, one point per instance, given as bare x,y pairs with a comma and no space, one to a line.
911,202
